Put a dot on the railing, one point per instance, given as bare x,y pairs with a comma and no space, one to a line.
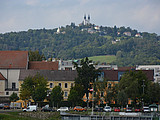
111,116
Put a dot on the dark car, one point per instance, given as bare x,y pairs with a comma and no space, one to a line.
98,109
47,109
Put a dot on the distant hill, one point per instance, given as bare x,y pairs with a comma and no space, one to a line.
72,42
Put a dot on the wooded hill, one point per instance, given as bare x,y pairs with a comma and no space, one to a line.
72,42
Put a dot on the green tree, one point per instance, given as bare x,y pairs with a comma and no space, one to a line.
112,93
34,88
99,87
35,56
122,98
26,88
76,95
39,88
154,91
86,74
56,95
13,97
132,83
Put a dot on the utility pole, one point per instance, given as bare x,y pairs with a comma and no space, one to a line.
92,99
143,86
143,92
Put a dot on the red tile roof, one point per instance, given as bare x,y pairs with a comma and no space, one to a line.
126,68
42,65
2,77
13,59
112,75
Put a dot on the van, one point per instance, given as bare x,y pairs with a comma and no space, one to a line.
32,108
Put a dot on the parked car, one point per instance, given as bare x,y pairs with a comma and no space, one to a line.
146,109
107,109
128,109
79,108
137,110
47,109
62,109
117,110
31,108
6,106
1,106
98,109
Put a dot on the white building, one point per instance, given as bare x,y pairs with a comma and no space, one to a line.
67,65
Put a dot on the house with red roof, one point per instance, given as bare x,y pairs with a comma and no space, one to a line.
11,62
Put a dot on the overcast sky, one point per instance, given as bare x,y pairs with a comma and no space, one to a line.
21,15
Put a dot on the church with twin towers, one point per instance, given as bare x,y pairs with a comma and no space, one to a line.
86,20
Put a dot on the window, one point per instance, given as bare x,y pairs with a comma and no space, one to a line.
94,94
71,84
66,85
109,86
7,93
101,76
60,84
13,85
68,68
51,85
101,93
65,94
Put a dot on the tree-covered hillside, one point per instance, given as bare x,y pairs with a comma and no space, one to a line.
71,42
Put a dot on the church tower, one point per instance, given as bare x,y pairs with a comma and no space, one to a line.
89,18
86,21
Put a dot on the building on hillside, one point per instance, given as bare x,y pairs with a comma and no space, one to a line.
155,68
127,33
138,35
58,30
11,62
65,79
86,21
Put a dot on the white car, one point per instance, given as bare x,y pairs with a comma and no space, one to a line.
62,109
32,108
146,109
107,109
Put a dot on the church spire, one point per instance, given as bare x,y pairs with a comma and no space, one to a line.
85,17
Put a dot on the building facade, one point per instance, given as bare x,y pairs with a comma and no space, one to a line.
11,62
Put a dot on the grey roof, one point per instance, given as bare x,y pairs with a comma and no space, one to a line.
56,75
